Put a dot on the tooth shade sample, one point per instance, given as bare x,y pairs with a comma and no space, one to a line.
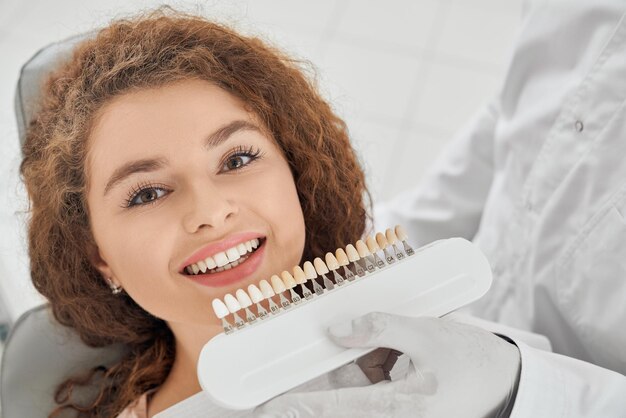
320,267
401,233
372,245
353,255
243,298
288,279
266,289
220,259
362,249
342,258
219,308
331,261
242,249
298,275
248,245
381,240
231,303
309,270
202,266
391,236
255,293
277,284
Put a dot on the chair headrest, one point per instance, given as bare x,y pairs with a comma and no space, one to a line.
38,355
34,73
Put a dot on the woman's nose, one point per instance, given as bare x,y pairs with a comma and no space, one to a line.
207,206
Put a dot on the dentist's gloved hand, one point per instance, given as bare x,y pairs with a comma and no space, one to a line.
459,370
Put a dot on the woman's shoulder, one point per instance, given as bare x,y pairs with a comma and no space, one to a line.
137,409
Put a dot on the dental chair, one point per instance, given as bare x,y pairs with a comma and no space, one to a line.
39,352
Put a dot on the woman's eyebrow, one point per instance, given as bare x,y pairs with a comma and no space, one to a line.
147,165
132,167
223,133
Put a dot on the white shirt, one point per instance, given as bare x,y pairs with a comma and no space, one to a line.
538,180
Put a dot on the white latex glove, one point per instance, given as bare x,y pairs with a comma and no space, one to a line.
459,370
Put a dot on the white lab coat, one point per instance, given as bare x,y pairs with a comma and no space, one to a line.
538,181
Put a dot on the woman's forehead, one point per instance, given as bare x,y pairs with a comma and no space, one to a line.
165,116
163,121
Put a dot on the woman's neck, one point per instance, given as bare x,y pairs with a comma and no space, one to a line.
182,381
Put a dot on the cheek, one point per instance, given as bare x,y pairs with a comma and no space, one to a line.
135,248
276,199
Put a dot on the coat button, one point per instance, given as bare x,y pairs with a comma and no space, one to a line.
579,126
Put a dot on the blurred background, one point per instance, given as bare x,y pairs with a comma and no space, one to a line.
404,74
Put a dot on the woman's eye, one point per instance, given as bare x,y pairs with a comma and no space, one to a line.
147,195
236,161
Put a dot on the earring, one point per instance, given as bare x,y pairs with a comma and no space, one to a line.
114,288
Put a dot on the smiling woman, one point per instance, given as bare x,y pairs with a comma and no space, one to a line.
174,161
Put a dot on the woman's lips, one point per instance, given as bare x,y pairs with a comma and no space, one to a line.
212,249
235,274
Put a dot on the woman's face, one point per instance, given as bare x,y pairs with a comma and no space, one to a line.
181,173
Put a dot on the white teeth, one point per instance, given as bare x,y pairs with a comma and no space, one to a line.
210,263
232,254
224,260
220,259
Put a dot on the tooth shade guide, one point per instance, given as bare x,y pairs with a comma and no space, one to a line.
320,267
283,287
353,257
288,279
270,359
342,257
382,242
402,235
391,236
393,240
362,249
333,265
309,270
331,261
300,278
279,287
352,253
245,302
372,245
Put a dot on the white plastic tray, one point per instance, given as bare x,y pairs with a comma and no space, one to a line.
254,364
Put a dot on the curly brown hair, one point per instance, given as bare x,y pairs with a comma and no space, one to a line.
145,51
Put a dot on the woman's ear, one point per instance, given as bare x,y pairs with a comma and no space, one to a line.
96,260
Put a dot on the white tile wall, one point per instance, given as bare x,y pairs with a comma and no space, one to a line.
405,74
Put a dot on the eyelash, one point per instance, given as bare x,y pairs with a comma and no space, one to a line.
240,151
